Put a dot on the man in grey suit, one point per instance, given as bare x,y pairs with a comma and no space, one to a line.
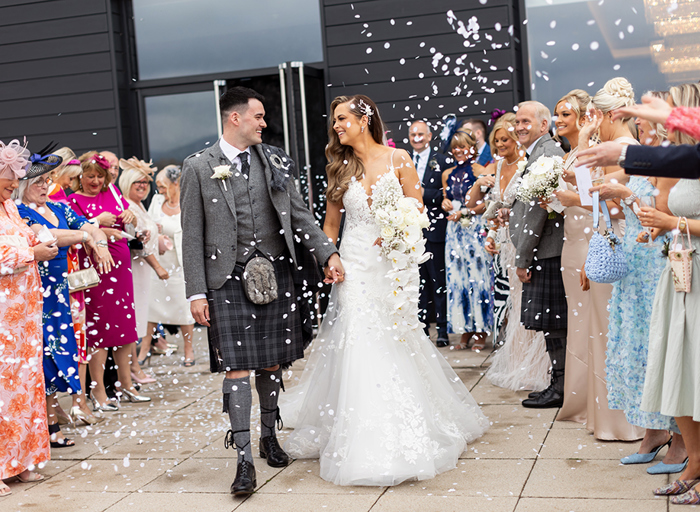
239,203
538,238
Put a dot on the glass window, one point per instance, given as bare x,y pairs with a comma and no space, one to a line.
180,38
179,124
582,44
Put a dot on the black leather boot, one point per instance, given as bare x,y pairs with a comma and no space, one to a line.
551,397
270,448
245,482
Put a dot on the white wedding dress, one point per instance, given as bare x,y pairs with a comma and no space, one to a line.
374,409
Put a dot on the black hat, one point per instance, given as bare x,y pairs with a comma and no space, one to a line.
42,162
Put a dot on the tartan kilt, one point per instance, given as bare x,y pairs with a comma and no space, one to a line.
544,306
247,336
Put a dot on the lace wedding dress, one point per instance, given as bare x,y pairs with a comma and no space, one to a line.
376,410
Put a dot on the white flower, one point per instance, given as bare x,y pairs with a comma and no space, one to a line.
387,232
221,172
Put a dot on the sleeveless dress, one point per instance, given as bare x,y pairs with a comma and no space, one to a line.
672,384
468,270
522,362
630,309
374,409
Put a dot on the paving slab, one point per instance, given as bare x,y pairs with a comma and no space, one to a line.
63,501
175,502
512,443
567,443
392,502
591,505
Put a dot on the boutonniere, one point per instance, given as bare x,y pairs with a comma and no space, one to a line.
222,172
433,164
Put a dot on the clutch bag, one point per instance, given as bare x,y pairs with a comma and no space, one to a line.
606,261
15,241
83,279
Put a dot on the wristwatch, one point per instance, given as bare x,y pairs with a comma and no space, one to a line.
630,199
621,158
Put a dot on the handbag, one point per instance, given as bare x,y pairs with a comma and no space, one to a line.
606,261
259,280
82,279
681,260
14,241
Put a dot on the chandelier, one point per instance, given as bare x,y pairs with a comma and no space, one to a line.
676,21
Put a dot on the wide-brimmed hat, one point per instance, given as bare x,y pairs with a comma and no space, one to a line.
42,162
134,164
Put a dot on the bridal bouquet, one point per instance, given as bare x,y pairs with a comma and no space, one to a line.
542,180
401,225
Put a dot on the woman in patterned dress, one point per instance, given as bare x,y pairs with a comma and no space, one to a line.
469,274
23,426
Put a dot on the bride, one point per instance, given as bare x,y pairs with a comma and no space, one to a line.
376,408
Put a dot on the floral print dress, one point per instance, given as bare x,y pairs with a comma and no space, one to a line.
24,434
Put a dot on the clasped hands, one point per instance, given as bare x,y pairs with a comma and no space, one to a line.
334,271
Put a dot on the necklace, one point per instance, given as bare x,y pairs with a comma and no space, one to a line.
172,208
511,163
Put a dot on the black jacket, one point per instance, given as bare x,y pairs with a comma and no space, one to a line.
669,162
432,197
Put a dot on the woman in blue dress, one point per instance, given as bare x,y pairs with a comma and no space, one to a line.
468,265
60,360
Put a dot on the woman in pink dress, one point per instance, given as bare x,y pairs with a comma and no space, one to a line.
24,435
110,314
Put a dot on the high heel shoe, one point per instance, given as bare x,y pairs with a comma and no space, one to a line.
644,458
78,415
107,407
666,469
133,397
58,443
62,417
147,359
142,380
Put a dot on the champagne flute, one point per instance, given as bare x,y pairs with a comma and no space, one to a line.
649,201
597,176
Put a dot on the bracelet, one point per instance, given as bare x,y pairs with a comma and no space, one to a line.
682,223
630,199
85,237
621,158
101,243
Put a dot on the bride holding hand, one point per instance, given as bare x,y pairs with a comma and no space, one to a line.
376,403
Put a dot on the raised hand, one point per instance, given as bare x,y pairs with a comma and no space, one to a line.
652,109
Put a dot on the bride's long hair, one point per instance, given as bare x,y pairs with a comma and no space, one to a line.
343,164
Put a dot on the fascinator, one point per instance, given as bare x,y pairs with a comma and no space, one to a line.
42,162
495,115
134,164
448,130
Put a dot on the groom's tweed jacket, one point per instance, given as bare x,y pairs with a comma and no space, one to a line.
534,235
210,224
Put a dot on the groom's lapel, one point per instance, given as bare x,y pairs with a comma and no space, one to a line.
216,157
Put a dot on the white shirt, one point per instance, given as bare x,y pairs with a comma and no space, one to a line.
232,153
422,163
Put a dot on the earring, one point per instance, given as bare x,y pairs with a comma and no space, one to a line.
362,129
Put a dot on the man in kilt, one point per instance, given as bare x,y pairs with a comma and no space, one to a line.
538,241
239,203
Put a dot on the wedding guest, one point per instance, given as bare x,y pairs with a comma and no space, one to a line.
522,362
538,240
429,165
478,128
24,425
168,303
61,358
113,164
468,267
111,320
135,182
62,176
671,380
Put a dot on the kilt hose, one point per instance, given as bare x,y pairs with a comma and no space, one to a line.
247,336
544,306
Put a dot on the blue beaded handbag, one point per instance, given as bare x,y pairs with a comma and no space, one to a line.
606,262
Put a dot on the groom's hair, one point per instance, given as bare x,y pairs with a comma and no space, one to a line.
236,99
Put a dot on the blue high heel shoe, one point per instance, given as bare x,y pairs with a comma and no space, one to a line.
644,458
667,469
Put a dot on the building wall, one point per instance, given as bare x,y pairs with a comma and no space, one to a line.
60,73
366,41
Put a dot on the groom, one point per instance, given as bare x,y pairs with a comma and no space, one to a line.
538,242
239,201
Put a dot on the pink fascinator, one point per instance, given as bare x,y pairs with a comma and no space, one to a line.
14,160
100,160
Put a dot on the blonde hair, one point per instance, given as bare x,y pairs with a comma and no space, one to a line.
87,164
659,129
616,93
685,95
542,113
578,101
343,164
72,171
507,123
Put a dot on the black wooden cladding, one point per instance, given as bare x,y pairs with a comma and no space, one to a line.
415,31
58,75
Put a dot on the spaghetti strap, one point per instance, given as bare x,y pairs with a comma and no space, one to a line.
391,160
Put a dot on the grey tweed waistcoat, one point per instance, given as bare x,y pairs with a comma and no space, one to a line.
262,229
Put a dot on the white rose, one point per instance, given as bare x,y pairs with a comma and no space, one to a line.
387,232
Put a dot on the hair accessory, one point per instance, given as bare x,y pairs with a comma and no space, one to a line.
448,130
134,164
73,162
42,162
173,172
366,110
495,115
14,159
101,161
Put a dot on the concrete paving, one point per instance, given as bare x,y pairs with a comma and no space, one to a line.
168,456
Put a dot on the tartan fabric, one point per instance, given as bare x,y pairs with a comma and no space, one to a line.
247,336
544,305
